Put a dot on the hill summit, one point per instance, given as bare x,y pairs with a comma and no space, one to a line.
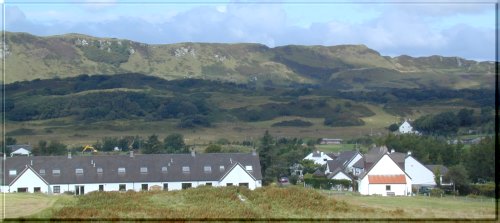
30,57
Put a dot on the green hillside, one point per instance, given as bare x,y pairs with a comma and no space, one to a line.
30,57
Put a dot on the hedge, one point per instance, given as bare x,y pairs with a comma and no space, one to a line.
327,183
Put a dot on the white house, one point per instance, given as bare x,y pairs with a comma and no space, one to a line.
318,157
385,177
20,150
406,128
344,161
83,174
419,173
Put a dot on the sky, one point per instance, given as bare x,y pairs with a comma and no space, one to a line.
418,28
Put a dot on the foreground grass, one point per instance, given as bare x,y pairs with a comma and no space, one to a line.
241,203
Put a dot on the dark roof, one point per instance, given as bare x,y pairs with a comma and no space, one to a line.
153,162
442,169
335,172
318,173
16,147
378,150
341,160
399,158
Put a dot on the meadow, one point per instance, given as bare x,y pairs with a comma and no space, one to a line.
269,202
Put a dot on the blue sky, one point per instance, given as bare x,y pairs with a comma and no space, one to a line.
421,28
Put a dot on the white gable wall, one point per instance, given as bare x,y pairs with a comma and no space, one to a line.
419,174
21,151
385,166
30,180
239,175
405,128
319,160
341,176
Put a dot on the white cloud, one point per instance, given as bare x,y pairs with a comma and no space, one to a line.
394,32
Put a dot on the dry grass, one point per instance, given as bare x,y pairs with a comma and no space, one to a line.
262,203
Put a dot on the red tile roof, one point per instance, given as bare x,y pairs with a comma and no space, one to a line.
387,179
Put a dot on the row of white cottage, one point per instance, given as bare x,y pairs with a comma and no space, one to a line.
379,171
84,174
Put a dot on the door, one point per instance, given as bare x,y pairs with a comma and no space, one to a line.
79,190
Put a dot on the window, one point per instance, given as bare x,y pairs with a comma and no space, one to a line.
101,187
79,171
56,189
22,190
185,169
387,187
144,187
186,185
249,168
244,185
12,173
144,170
37,190
207,169
221,168
121,170
165,187
99,170
208,184
56,172
164,169
229,184
122,187
42,172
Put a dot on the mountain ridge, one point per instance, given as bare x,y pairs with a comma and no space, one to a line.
29,57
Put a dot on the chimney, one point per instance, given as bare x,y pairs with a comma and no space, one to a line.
94,164
172,160
254,152
91,161
131,153
69,155
231,160
392,150
409,153
193,154
31,163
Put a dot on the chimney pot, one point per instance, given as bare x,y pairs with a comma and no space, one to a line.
409,153
69,155
132,153
254,152
392,150
193,154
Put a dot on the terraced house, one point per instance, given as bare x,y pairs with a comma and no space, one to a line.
83,174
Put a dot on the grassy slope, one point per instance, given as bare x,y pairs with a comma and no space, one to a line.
267,202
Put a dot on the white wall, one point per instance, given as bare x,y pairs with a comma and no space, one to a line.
405,128
385,166
398,189
319,160
419,174
353,161
239,175
30,180
341,176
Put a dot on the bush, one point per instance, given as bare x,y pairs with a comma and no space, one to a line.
325,183
487,190
436,192
294,123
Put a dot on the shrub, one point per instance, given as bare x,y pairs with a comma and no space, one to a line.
436,192
294,123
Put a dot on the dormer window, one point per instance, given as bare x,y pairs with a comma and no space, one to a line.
207,169
121,170
99,170
221,168
12,173
164,169
42,172
79,171
185,169
56,172
144,170
249,168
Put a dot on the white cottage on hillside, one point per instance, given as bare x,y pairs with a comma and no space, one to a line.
406,128
318,157
385,177
83,174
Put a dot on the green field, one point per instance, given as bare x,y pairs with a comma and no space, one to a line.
241,203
